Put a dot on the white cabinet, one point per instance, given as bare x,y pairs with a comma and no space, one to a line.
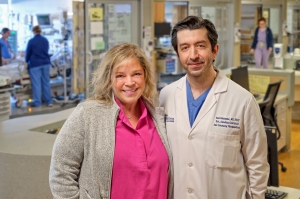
281,118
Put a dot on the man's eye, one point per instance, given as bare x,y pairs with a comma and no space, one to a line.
184,48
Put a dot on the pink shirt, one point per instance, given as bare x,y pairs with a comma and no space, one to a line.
140,167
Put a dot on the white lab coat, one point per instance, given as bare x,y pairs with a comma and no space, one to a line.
224,154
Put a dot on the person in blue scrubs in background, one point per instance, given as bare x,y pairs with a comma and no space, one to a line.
7,53
39,68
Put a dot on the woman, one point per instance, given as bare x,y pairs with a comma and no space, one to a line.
39,68
262,44
114,145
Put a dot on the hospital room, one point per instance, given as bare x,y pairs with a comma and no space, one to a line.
76,76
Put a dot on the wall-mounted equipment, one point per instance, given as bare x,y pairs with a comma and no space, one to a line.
162,29
44,20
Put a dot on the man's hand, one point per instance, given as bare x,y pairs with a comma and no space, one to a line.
3,61
252,51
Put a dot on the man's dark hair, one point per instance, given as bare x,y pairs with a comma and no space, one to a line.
4,30
193,23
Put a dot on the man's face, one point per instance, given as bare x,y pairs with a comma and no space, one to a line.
195,51
6,35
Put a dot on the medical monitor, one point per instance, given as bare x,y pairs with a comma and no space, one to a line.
43,20
162,29
240,76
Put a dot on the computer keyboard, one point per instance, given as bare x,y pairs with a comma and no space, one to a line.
273,194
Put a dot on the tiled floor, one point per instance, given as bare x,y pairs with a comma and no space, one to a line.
291,159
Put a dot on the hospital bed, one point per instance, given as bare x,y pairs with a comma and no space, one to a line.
16,75
18,79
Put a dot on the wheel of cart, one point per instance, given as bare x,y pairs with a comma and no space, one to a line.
18,103
21,93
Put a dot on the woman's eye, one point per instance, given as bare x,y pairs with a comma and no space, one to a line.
119,76
137,74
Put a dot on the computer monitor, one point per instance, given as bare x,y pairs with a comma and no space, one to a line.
240,76
162,29
43,20
272,156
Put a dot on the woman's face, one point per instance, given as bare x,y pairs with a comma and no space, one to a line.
128,82
262,24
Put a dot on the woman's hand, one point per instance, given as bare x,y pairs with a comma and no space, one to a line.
252,51
270,49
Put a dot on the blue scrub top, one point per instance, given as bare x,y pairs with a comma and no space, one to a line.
5,49
194,105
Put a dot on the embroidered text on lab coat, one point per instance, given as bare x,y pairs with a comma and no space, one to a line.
227,122
169,119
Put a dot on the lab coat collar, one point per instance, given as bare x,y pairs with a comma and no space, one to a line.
220,85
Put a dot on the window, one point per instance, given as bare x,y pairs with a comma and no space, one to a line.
3,15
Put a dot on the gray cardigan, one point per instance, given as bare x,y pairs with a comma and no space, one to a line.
82,157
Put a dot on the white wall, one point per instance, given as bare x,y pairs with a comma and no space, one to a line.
20,12
41,6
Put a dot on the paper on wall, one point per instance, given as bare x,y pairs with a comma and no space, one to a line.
96,14
258,83
97,43
96,27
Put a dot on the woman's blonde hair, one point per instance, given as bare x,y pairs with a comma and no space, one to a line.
101,81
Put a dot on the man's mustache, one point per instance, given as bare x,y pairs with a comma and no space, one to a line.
196,61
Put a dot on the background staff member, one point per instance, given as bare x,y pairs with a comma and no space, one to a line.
7,53
214,126
262,44
39,68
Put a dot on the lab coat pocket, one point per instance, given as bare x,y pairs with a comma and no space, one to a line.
222,150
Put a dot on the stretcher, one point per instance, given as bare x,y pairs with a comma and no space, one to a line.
18,79
16,76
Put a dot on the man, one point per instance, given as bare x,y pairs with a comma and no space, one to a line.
7,53
214,126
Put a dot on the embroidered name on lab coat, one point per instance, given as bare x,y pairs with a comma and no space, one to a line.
169,119
227,122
